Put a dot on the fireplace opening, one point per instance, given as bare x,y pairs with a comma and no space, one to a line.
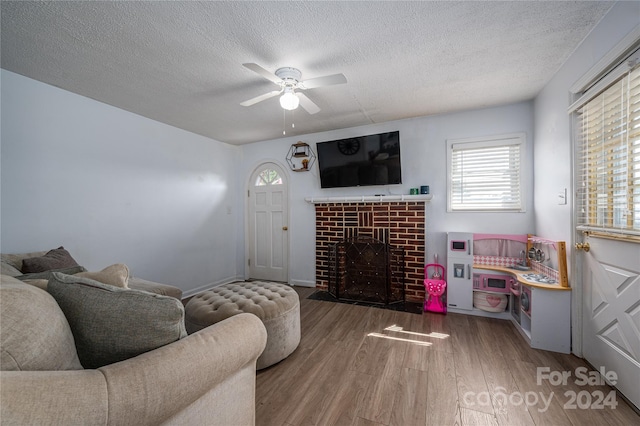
364,269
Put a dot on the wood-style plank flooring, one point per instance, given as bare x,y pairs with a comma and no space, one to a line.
351,368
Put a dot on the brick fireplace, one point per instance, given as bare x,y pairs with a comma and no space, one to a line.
400,223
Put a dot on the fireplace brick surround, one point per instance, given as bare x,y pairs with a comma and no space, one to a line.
399,223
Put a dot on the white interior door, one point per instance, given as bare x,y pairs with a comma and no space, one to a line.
268,224
611,311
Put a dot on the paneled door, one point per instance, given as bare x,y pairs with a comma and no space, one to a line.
611,311
268,224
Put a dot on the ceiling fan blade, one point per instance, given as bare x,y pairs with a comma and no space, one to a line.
307,103
266,74
260,98
327,80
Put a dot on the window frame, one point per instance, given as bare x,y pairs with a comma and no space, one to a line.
589,216
519,139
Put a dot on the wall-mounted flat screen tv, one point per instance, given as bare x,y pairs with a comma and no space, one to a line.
360,161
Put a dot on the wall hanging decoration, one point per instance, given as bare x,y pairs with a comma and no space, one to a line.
300,157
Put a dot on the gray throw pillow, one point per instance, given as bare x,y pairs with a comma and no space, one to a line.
54,259
111,324
47,274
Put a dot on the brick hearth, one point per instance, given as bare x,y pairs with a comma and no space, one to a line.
402,221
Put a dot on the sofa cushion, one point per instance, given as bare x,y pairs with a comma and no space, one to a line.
53,259
40,283
111,324
35,334
116,275
9,270
14,260
41,279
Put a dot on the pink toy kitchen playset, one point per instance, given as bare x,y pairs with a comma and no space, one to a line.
522,278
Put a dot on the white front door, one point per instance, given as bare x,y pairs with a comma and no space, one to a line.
611,311
268,221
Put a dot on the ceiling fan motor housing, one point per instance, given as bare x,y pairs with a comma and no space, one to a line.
289,75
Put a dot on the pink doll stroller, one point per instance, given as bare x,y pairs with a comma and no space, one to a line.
435,289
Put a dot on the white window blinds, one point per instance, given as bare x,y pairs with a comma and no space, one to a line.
486,174
608,158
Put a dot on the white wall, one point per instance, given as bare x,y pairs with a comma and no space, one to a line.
423,152
112,186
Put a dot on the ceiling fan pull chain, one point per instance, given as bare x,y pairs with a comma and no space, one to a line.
284,122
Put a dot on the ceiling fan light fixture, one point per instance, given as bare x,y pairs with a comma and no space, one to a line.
289,100
289,80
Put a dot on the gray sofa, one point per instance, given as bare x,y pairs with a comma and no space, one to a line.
11,265
204,378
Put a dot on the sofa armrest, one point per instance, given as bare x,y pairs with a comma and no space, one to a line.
205,378
155,387
153,287
53,397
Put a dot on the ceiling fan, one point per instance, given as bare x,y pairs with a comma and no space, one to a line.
289,81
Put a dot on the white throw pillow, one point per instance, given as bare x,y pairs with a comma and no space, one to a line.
116,275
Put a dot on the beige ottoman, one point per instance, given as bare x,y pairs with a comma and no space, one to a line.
277,305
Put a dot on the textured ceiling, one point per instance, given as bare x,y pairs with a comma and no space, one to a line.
180,62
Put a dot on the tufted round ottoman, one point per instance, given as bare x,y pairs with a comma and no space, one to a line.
277,305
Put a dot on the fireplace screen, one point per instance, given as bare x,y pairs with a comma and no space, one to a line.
363,269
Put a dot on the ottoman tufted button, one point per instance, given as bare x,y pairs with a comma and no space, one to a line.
277,305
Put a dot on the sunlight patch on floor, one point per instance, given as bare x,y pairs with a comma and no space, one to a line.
386,336
434,334
396,329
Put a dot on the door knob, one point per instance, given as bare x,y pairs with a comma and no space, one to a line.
284,228
583,246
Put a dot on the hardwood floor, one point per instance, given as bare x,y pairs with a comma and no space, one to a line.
368,367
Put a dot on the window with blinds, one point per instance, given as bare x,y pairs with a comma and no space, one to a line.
608,158
486,174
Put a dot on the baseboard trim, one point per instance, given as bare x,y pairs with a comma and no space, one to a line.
303,283
192,292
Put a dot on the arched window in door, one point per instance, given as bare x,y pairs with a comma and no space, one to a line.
268,177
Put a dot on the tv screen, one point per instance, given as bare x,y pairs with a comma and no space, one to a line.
361,161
